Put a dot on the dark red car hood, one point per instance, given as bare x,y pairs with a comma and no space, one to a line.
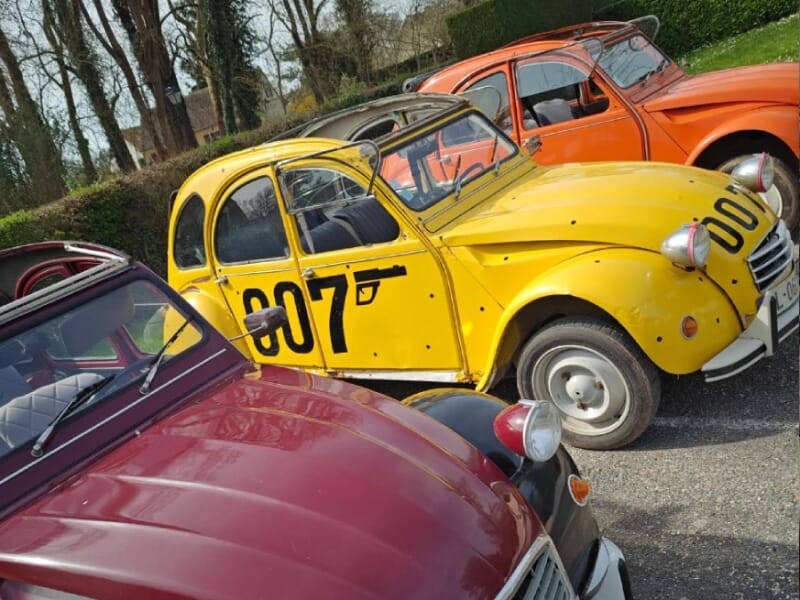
773,83
281,485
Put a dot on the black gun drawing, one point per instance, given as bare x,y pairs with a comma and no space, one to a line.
369,280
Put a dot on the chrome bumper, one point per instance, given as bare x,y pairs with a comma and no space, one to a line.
777,318
609,577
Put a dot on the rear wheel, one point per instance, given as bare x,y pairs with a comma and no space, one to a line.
784,195
604,386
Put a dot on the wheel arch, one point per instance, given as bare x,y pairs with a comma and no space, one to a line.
637,290
533,316
717,150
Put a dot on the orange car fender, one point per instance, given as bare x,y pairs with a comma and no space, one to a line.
216,313
640,290
778,121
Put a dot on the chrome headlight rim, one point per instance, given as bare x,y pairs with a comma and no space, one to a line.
756,173
688,246
541,434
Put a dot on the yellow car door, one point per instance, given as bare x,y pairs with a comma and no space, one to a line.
255,268
378,295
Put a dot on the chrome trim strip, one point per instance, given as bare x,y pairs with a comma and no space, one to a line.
72,247
439,376
110,418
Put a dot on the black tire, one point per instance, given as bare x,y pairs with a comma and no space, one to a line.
615,389
786,184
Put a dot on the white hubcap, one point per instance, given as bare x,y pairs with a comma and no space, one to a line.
587,388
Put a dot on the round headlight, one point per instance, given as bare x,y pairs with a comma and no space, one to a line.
530,428
756,173
542,430
689,246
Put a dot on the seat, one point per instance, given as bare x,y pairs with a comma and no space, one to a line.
552,111
12,384
331,235
371,222
25,417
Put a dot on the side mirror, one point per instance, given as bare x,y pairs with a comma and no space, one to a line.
263,322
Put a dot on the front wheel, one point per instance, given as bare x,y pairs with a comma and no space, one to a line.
784,195
604,386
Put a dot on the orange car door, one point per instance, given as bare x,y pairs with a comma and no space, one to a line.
577,115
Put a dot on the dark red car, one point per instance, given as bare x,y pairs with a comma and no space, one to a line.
143,457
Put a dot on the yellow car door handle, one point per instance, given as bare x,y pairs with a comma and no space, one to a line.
308,273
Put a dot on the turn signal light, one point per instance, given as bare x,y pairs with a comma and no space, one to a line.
579,489
689,327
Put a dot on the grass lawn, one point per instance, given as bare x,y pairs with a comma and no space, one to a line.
773,42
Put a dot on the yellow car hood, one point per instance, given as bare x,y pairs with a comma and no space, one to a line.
617,203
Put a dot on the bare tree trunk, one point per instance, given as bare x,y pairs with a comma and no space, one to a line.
115,50
68,16
211,84
141,21
29,131
300,18
197,48
219,57
89,170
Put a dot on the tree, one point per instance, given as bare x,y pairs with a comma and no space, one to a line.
301,18
14,185
64,82
109,41
356,17
219,45
230,45
141,21
66,15
26,127
195,54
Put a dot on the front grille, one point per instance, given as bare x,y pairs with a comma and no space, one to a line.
539,576
772,256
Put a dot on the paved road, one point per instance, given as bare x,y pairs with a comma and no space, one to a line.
705,503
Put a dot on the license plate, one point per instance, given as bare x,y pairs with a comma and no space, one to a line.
788,291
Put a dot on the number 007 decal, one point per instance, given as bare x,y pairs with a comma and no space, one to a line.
722,231
302,342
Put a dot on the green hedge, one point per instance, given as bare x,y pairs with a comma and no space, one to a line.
130,213
489,25
689,24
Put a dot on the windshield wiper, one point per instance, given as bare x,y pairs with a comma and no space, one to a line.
495,164
456,182
659,67
79,398
159,356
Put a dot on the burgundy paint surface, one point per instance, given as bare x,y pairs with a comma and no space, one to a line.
278,485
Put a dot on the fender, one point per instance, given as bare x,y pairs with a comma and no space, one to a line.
217,314
544,485
641,291
778,121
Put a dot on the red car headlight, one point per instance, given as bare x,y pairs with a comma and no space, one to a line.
530,428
